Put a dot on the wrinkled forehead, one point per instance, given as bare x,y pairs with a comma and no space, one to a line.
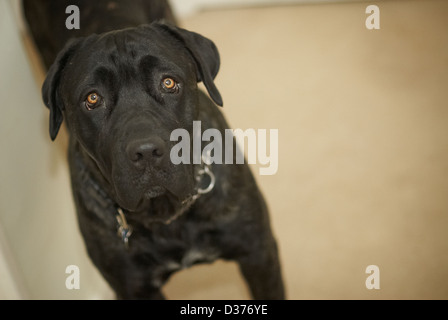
130,47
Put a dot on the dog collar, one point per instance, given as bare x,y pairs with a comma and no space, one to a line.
205,180
206,175
124,231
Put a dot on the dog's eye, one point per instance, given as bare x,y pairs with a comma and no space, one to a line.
170,85
93,100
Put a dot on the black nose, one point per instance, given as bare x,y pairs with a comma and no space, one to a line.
148,151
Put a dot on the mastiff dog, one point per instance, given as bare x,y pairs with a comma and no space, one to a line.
123,81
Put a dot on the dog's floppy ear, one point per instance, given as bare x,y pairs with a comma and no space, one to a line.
205,55
50,88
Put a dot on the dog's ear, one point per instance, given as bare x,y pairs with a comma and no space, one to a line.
50,88
205,55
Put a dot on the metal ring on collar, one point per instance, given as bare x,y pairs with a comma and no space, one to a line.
211,185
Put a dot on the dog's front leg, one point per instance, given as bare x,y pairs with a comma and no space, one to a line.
148,293
135,284
261,269
129,274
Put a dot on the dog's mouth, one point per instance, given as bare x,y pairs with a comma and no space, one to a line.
151,199
146,199
154,192
158,205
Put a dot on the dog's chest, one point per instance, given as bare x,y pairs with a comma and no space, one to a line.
184,244
191,257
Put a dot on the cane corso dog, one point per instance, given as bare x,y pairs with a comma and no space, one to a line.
123,82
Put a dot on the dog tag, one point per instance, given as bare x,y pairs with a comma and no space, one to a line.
124,230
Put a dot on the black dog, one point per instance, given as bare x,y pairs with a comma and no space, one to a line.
121,94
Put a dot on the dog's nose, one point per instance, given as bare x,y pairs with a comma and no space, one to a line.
146,151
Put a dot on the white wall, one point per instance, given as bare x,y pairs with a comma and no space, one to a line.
38,231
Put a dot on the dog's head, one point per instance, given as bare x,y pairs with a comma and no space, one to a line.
122,94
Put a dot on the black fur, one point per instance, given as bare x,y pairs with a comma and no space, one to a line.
119,151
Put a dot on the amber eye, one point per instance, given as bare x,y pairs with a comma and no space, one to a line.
93,100
169,84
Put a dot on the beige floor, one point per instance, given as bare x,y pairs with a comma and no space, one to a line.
363,145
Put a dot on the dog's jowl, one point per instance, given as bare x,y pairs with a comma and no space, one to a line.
122,83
